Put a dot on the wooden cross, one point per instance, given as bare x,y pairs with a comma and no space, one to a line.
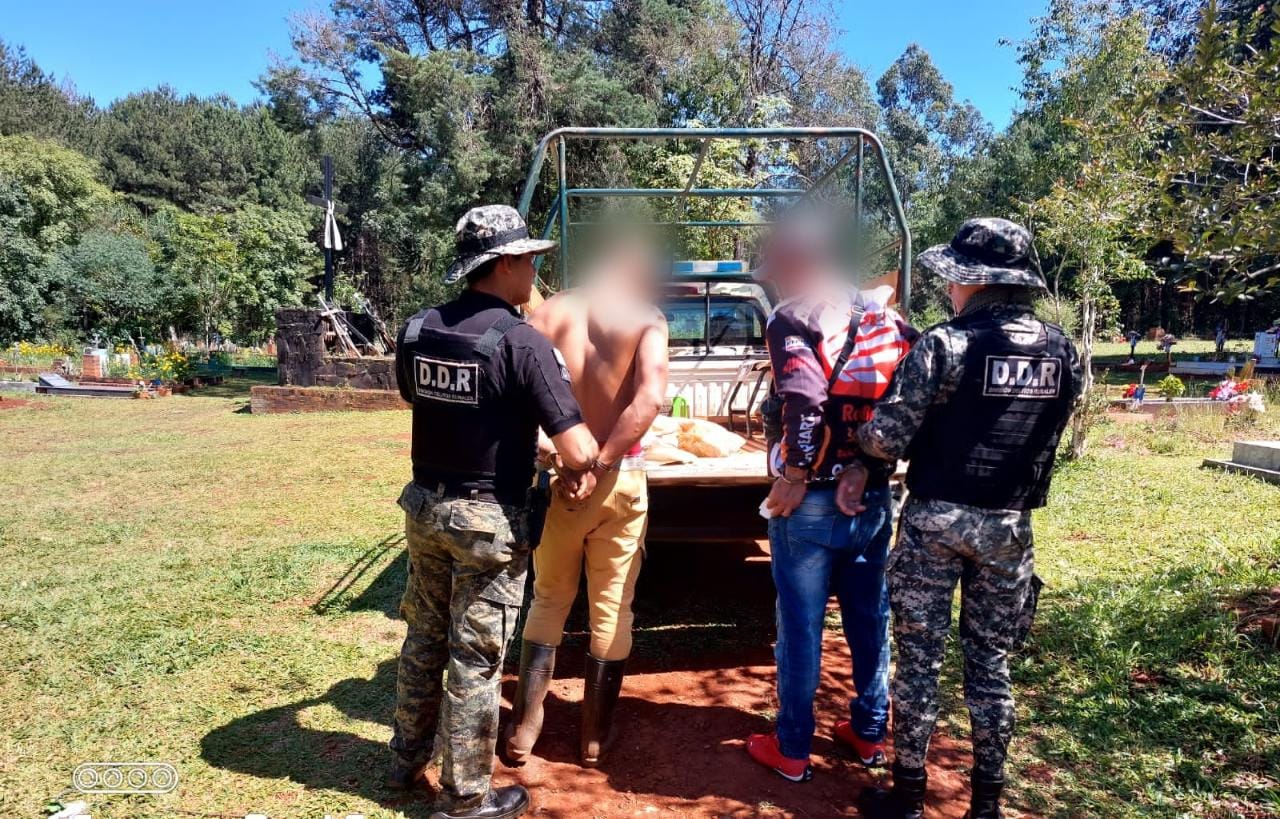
331,240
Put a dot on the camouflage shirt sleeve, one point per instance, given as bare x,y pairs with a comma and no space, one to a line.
928,375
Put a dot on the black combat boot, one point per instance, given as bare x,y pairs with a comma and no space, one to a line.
905,801
498,803
537,664
604,683
984,803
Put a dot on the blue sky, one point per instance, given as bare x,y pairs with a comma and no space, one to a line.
109,48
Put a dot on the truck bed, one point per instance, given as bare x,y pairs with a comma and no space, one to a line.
743,468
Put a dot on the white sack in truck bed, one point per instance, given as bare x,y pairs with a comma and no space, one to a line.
664,425
707,439
668,454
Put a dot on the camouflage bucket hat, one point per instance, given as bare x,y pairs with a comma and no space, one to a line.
487,232
985,251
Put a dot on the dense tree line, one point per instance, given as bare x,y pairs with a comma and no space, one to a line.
156,214
1143,154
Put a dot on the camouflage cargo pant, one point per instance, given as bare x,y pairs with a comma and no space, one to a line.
990,553
467,566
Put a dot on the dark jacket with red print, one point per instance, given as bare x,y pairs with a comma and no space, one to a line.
819,425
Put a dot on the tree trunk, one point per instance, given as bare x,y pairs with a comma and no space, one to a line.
1080,421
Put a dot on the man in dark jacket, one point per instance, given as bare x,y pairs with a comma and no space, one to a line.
833,349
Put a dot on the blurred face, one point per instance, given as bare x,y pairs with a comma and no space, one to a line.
798,255
790,265
634,269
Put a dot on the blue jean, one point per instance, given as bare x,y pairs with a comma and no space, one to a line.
815,550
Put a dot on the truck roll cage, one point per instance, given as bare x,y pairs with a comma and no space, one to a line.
861,140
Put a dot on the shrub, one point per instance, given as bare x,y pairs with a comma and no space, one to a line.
169,366
1171,387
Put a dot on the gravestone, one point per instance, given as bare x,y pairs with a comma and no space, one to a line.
54,380
1260,459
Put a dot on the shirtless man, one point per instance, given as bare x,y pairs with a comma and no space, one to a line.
614,344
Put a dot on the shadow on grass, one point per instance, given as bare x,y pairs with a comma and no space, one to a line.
694,605
274,744
698,609
1153,671
382,593
231,387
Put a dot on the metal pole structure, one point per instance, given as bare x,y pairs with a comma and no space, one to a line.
830,172
858,232
742,193
904,269
546,234
722,223
564,214
540,150
862,135
326,162
693,176
857,188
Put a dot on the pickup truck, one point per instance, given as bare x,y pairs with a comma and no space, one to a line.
716,312
719,369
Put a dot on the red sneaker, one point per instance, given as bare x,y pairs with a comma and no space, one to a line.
869,753
764,749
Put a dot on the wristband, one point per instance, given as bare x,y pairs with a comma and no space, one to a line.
597,464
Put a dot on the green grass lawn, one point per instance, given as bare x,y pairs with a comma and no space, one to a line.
1114,352
172,589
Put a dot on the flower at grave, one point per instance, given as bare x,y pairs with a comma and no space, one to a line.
1225,390
169,365
1231,389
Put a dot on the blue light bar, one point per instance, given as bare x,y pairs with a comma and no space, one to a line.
696,268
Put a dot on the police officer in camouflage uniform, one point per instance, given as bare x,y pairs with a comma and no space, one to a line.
481,382
978,407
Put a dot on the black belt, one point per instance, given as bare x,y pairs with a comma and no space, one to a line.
459,489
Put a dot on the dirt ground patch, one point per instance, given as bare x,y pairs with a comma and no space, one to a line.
20,403
1260,611
701,680
681,750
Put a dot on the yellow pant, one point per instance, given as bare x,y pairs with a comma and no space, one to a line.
606,532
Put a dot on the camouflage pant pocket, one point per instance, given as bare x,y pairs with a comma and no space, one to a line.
480,636
507,588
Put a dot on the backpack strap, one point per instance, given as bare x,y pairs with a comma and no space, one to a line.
487,345
850,340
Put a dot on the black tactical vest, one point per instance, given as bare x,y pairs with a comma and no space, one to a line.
993,443
460,420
